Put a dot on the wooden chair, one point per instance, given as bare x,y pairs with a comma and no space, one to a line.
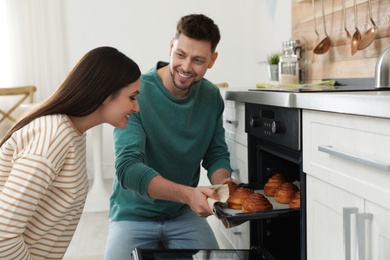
222,85
23,91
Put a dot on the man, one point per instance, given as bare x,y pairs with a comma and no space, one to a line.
155,196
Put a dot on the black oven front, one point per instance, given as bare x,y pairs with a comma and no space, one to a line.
274,146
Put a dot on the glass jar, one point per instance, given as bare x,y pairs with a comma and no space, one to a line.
289,64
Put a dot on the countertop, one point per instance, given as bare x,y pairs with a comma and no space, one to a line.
365,103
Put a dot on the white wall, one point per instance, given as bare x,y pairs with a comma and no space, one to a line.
250,29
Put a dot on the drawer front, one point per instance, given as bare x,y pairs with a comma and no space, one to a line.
234,121
351,152
238,160
236,237
241,136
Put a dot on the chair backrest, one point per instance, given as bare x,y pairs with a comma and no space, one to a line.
23,91
222,85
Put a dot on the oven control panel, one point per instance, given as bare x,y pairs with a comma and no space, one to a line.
280,125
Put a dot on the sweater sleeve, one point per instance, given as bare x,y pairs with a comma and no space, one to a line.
27,183
131,171
217,154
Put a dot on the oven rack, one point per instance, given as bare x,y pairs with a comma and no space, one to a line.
236,216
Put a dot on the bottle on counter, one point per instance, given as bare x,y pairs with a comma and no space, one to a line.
289,64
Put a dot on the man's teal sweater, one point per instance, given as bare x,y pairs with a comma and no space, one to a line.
171,137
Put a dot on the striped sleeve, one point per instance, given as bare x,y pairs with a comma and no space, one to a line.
27,183
43,186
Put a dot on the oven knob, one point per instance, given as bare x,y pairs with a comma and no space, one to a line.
255,121
276,127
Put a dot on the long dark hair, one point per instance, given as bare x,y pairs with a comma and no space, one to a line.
101,72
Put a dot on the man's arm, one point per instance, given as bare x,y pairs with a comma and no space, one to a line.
196,198
220,176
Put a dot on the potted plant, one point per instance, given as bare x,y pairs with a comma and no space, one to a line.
273,70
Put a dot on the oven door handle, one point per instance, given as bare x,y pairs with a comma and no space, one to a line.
371,163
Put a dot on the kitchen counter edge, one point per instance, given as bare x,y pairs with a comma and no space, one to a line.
364,103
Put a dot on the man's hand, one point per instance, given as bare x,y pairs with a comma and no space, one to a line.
198,201
195,198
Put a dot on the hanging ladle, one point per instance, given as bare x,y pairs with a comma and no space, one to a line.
315,30
356,38
324,45
369,35
348,43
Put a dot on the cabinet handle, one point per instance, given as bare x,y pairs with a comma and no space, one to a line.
347,212
236,171
233,122
237,233
372,163
361,233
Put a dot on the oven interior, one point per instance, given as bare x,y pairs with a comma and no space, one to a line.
284,231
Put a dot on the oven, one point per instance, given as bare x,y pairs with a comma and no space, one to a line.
274,146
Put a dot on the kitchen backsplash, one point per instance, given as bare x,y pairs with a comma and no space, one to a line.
338,61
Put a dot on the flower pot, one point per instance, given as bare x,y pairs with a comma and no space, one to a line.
273,72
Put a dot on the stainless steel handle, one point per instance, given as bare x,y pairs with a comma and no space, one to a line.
361,233
233,122
347,212
372,163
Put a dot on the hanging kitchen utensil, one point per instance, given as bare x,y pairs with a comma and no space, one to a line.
348,43
369,35
356,38
314,57
324,45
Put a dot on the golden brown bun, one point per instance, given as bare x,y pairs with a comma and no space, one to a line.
273,183
285,192
270,188
277,177
295,202
237,198
232,186
256,202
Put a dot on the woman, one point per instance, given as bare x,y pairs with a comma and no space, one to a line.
43,179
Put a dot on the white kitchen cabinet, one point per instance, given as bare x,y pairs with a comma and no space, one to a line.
347,162
325,205
234,124
234,121
235,237
236,139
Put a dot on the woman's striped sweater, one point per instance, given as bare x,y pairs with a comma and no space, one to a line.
43,187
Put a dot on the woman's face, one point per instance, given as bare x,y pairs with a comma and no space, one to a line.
117,109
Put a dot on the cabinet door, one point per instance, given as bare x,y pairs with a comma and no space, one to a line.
378,232
325,204
238,160
236,237
350,152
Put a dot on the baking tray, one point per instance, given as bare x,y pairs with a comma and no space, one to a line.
232,215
